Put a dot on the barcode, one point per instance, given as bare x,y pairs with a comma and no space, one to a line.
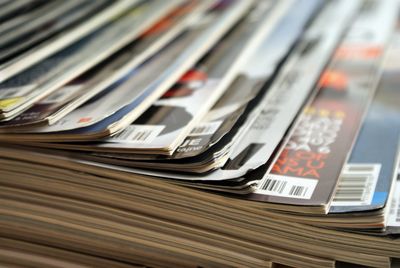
356,185
273,185
277,185
134,135
138,134
394,211
398,213
351,188
298,191
205,128
365,169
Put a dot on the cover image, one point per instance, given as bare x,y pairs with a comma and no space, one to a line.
307,169
374,155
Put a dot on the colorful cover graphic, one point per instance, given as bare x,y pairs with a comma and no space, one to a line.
317,149
307,170
375,155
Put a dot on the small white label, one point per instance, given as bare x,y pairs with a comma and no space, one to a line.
137,134
356,185
13,92
205,128
394,212
293,187
61,94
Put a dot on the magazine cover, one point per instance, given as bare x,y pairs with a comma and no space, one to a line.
306,171
372,164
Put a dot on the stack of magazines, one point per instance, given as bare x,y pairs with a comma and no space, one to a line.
199,133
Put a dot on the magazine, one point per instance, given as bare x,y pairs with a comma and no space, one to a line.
257,144
175,113
129,98
372,162
23,90
278,44
306,171
51,20
67,98
64,39
15,8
